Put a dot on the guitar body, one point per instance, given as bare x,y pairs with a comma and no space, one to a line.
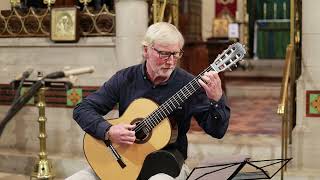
102,160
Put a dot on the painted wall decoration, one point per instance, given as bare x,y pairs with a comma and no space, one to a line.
313,103
226,9
74,96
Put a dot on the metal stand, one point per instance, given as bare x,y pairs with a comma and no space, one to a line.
43,167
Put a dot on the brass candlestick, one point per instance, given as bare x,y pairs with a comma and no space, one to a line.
15,3
49,3
43,167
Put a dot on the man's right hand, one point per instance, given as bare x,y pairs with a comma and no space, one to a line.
122,134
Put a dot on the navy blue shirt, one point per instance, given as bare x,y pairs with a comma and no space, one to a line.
132,83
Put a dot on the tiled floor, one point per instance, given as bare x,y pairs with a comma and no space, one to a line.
255,116
252,116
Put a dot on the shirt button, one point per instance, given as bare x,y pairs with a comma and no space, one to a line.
216,105
215,117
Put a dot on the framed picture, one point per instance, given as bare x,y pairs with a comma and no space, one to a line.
220,27
313,103
64,24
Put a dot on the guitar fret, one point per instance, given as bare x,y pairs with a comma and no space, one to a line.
162,113
148,127
170,100
185,92
170,108
152,121
166,111
189,93
194,89
184,95
179,96
176,100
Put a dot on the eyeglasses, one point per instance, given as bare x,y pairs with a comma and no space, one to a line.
165,55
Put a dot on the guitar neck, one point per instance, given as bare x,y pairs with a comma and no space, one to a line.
174,101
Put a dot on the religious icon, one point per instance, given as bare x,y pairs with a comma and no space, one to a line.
64,24
220,27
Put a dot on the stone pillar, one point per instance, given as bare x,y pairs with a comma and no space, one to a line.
208,14
131,24
5,5
305,140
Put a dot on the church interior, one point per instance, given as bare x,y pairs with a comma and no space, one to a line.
274,93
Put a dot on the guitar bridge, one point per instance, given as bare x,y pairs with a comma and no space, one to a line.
115,154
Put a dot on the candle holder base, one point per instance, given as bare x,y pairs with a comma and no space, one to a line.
42,170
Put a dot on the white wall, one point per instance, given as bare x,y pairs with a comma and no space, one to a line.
18,54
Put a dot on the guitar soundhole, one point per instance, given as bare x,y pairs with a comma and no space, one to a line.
142,134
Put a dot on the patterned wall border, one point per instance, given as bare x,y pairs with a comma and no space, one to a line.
55,97
313,103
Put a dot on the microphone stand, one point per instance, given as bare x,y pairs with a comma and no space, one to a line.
43,167
22,100
19,103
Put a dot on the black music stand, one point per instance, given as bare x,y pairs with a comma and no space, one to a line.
232,166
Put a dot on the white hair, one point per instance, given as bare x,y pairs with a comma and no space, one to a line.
163,33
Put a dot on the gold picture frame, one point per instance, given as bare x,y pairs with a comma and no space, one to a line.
64,24
220,28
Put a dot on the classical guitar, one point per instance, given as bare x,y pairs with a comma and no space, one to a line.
153,129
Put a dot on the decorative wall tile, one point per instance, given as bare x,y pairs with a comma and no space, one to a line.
74,96
313,103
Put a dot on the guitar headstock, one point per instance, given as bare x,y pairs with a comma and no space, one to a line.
229,57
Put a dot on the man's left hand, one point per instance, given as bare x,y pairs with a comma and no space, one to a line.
211,83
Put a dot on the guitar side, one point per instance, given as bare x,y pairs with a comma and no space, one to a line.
100,157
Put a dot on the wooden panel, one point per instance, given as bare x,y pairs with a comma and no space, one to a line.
195,58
